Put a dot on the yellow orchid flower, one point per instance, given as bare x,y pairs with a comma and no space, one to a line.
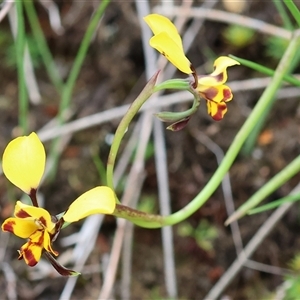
210,87
24,164
35,224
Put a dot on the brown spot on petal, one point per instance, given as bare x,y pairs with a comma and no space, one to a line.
219,77
222,108
9,226
227,95
29,257
22,214
210,93
43,221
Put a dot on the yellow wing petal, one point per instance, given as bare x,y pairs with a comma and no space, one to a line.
99,200
167,47
20,227
24,162
38,214
159,23
32,250
219,75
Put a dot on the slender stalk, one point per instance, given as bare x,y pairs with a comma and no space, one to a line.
274,204
123,126
284,175
293,10
251,140
42,46
178,84
259,68
81,54
20,47
284,16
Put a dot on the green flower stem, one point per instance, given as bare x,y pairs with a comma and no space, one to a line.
257,67
138,217
274,204
293,10
167,116
236,145
249,144
178,84
81,54
20,47
289,171
123,126
284,16
42,46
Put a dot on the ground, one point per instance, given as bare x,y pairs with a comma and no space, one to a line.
113,75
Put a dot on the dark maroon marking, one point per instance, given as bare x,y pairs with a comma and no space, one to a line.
29,257
219,77
43,221
58,267
22,214
210,93
227,94
58,226
195,83
179,125
219,115
9,226
32,195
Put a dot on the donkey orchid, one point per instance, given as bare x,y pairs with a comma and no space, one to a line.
211,87
24,164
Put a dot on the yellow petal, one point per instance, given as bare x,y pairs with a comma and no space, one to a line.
219,75
37,214
168,42
159,24
216,110
222,63
47,244
32,250
219,93
167,47
24,162
99,200
20,227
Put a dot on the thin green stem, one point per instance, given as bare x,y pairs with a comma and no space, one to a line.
293,10
42,46
138,217
284,16
274,204
257,67
249,144
20,47
178,84
167,116
123,126
81,54
284,175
